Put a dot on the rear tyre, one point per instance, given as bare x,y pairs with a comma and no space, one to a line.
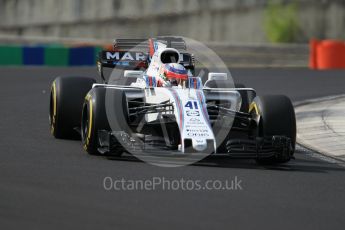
94,119
277,117
66,102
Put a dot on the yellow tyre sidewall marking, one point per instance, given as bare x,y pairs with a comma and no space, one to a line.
90,119
89,101
53,117
253,106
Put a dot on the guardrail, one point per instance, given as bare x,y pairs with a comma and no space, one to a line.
14,55
262,55
50,51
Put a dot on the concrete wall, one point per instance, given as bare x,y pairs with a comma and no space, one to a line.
216,20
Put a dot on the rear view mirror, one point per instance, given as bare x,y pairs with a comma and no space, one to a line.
217,76
133,73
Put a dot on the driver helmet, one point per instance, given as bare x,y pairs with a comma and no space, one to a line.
175,73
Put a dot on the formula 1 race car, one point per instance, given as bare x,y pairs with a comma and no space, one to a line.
155,101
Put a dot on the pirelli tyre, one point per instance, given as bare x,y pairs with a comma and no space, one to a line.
277,118
94,120
66,101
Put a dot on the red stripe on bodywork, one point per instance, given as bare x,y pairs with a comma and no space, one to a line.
151,47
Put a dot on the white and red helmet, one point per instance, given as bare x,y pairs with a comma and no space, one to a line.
175,71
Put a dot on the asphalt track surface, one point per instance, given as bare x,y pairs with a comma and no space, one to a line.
53,184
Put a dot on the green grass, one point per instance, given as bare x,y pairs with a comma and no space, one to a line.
281,22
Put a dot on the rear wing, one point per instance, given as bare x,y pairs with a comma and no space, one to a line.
133,54
135,59
144,44
131,44
125,59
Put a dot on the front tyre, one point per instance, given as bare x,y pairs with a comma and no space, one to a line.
94,119
277,118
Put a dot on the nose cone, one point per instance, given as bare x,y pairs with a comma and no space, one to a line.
199,144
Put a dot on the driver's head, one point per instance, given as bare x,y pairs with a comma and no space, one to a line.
175,73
